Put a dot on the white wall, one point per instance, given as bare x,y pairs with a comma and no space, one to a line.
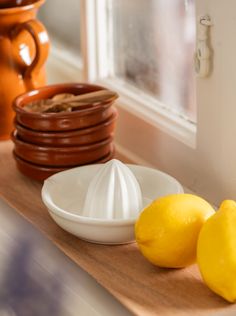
62,20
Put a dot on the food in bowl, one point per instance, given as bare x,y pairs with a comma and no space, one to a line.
68,102
62,121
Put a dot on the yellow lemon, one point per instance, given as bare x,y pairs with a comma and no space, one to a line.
216,251
167,230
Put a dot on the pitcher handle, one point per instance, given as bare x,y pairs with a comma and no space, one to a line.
42,44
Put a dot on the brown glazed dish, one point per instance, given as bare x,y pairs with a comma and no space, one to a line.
61,156
62,121
83,136
41,173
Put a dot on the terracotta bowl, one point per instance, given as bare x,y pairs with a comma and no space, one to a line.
41,173
61,156
63,121
71,138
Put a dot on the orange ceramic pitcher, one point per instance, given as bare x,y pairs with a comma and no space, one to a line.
24,47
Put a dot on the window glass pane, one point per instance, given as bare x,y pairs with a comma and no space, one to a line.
62,20
153,47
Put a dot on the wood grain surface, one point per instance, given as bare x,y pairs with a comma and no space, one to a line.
138,285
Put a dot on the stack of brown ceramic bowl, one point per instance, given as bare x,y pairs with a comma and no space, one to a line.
46,143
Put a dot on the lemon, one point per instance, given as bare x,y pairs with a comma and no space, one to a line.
167,230
216,251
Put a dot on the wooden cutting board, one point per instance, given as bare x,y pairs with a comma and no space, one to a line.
143,289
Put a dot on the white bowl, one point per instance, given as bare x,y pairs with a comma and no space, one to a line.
64,194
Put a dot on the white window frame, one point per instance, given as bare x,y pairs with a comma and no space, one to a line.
99,67
204,160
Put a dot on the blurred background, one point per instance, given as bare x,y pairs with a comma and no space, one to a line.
36,279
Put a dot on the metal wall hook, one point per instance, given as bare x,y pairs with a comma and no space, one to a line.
203,53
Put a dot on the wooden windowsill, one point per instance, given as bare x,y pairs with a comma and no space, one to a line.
142,288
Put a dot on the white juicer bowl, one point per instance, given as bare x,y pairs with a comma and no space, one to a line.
64,195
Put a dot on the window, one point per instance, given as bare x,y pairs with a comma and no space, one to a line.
124,39
152,47
168,118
